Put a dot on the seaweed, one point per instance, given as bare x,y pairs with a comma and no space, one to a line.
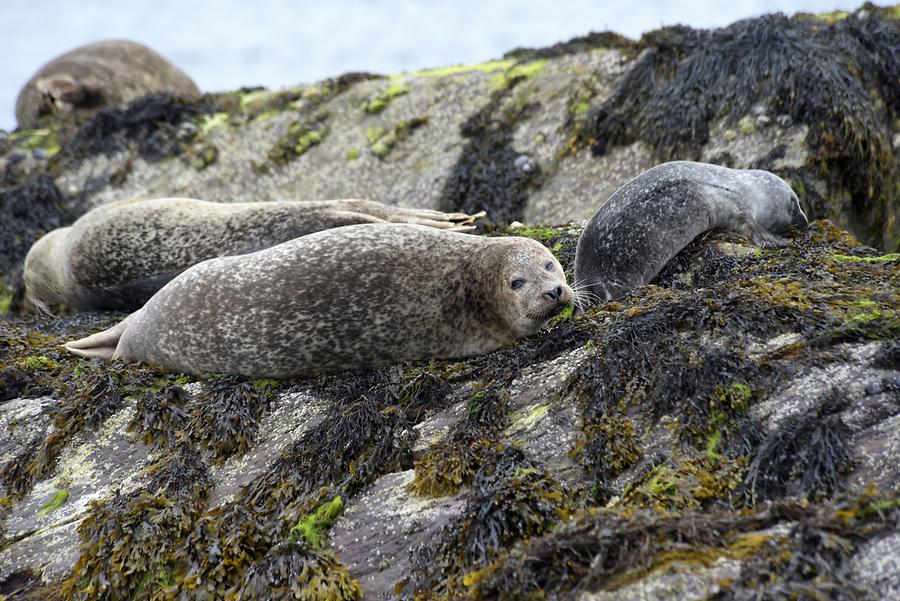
227,415
160,416
820,75
606,549
150,122
585,43
127,540
803,457
27,212
365,434
293,570
511,500
489,174
27,585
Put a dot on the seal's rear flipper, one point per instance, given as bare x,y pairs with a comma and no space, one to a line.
103,344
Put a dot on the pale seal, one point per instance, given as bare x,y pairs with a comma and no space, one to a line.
353,297
108,73
118,255
646,222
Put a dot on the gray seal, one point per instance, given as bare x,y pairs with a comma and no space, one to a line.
650,219
118,255
108,73
354,297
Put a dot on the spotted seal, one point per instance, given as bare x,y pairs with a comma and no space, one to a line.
107,73
353,297
646,222
118,255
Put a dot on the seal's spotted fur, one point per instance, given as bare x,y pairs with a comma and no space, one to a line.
352,297
651,218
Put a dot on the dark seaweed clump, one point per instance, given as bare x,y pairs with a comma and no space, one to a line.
27,212
510,500
490,175
826,76
227,414
149,122
605,550
804,457
582,43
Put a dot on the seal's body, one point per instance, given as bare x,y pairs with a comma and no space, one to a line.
348,298
646,222
118,255
108,73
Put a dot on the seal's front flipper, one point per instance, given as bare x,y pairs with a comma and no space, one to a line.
103,344
759,235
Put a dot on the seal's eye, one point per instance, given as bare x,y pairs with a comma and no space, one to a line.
549,266
517,283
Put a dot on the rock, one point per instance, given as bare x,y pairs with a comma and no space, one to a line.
730,429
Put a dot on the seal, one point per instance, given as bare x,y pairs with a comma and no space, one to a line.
651,218
348,298
107,73
118,255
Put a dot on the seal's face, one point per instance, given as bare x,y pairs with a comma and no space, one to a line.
533,288
42,271
775,203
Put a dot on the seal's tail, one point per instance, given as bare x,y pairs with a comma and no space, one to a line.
102,345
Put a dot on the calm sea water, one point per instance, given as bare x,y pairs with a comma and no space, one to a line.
276,43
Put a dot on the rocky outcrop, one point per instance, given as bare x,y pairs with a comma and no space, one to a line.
730,431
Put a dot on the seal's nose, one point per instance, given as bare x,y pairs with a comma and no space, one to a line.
554,294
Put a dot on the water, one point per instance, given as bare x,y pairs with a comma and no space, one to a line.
277,43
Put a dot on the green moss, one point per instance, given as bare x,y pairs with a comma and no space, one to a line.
205,156
211,122
353,154
888,258
314,527
528,70
711,444
486,67
540,233
381,141
264,384
832,17
37,362
745,125
6,298
687,483
379,102
736,397
33,139
526,419
300,138
373,134
58,500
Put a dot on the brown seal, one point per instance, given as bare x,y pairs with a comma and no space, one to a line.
646,222
108,73
118,255
348,298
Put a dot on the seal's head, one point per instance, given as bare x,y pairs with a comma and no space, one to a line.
530,286
44,273
774,204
